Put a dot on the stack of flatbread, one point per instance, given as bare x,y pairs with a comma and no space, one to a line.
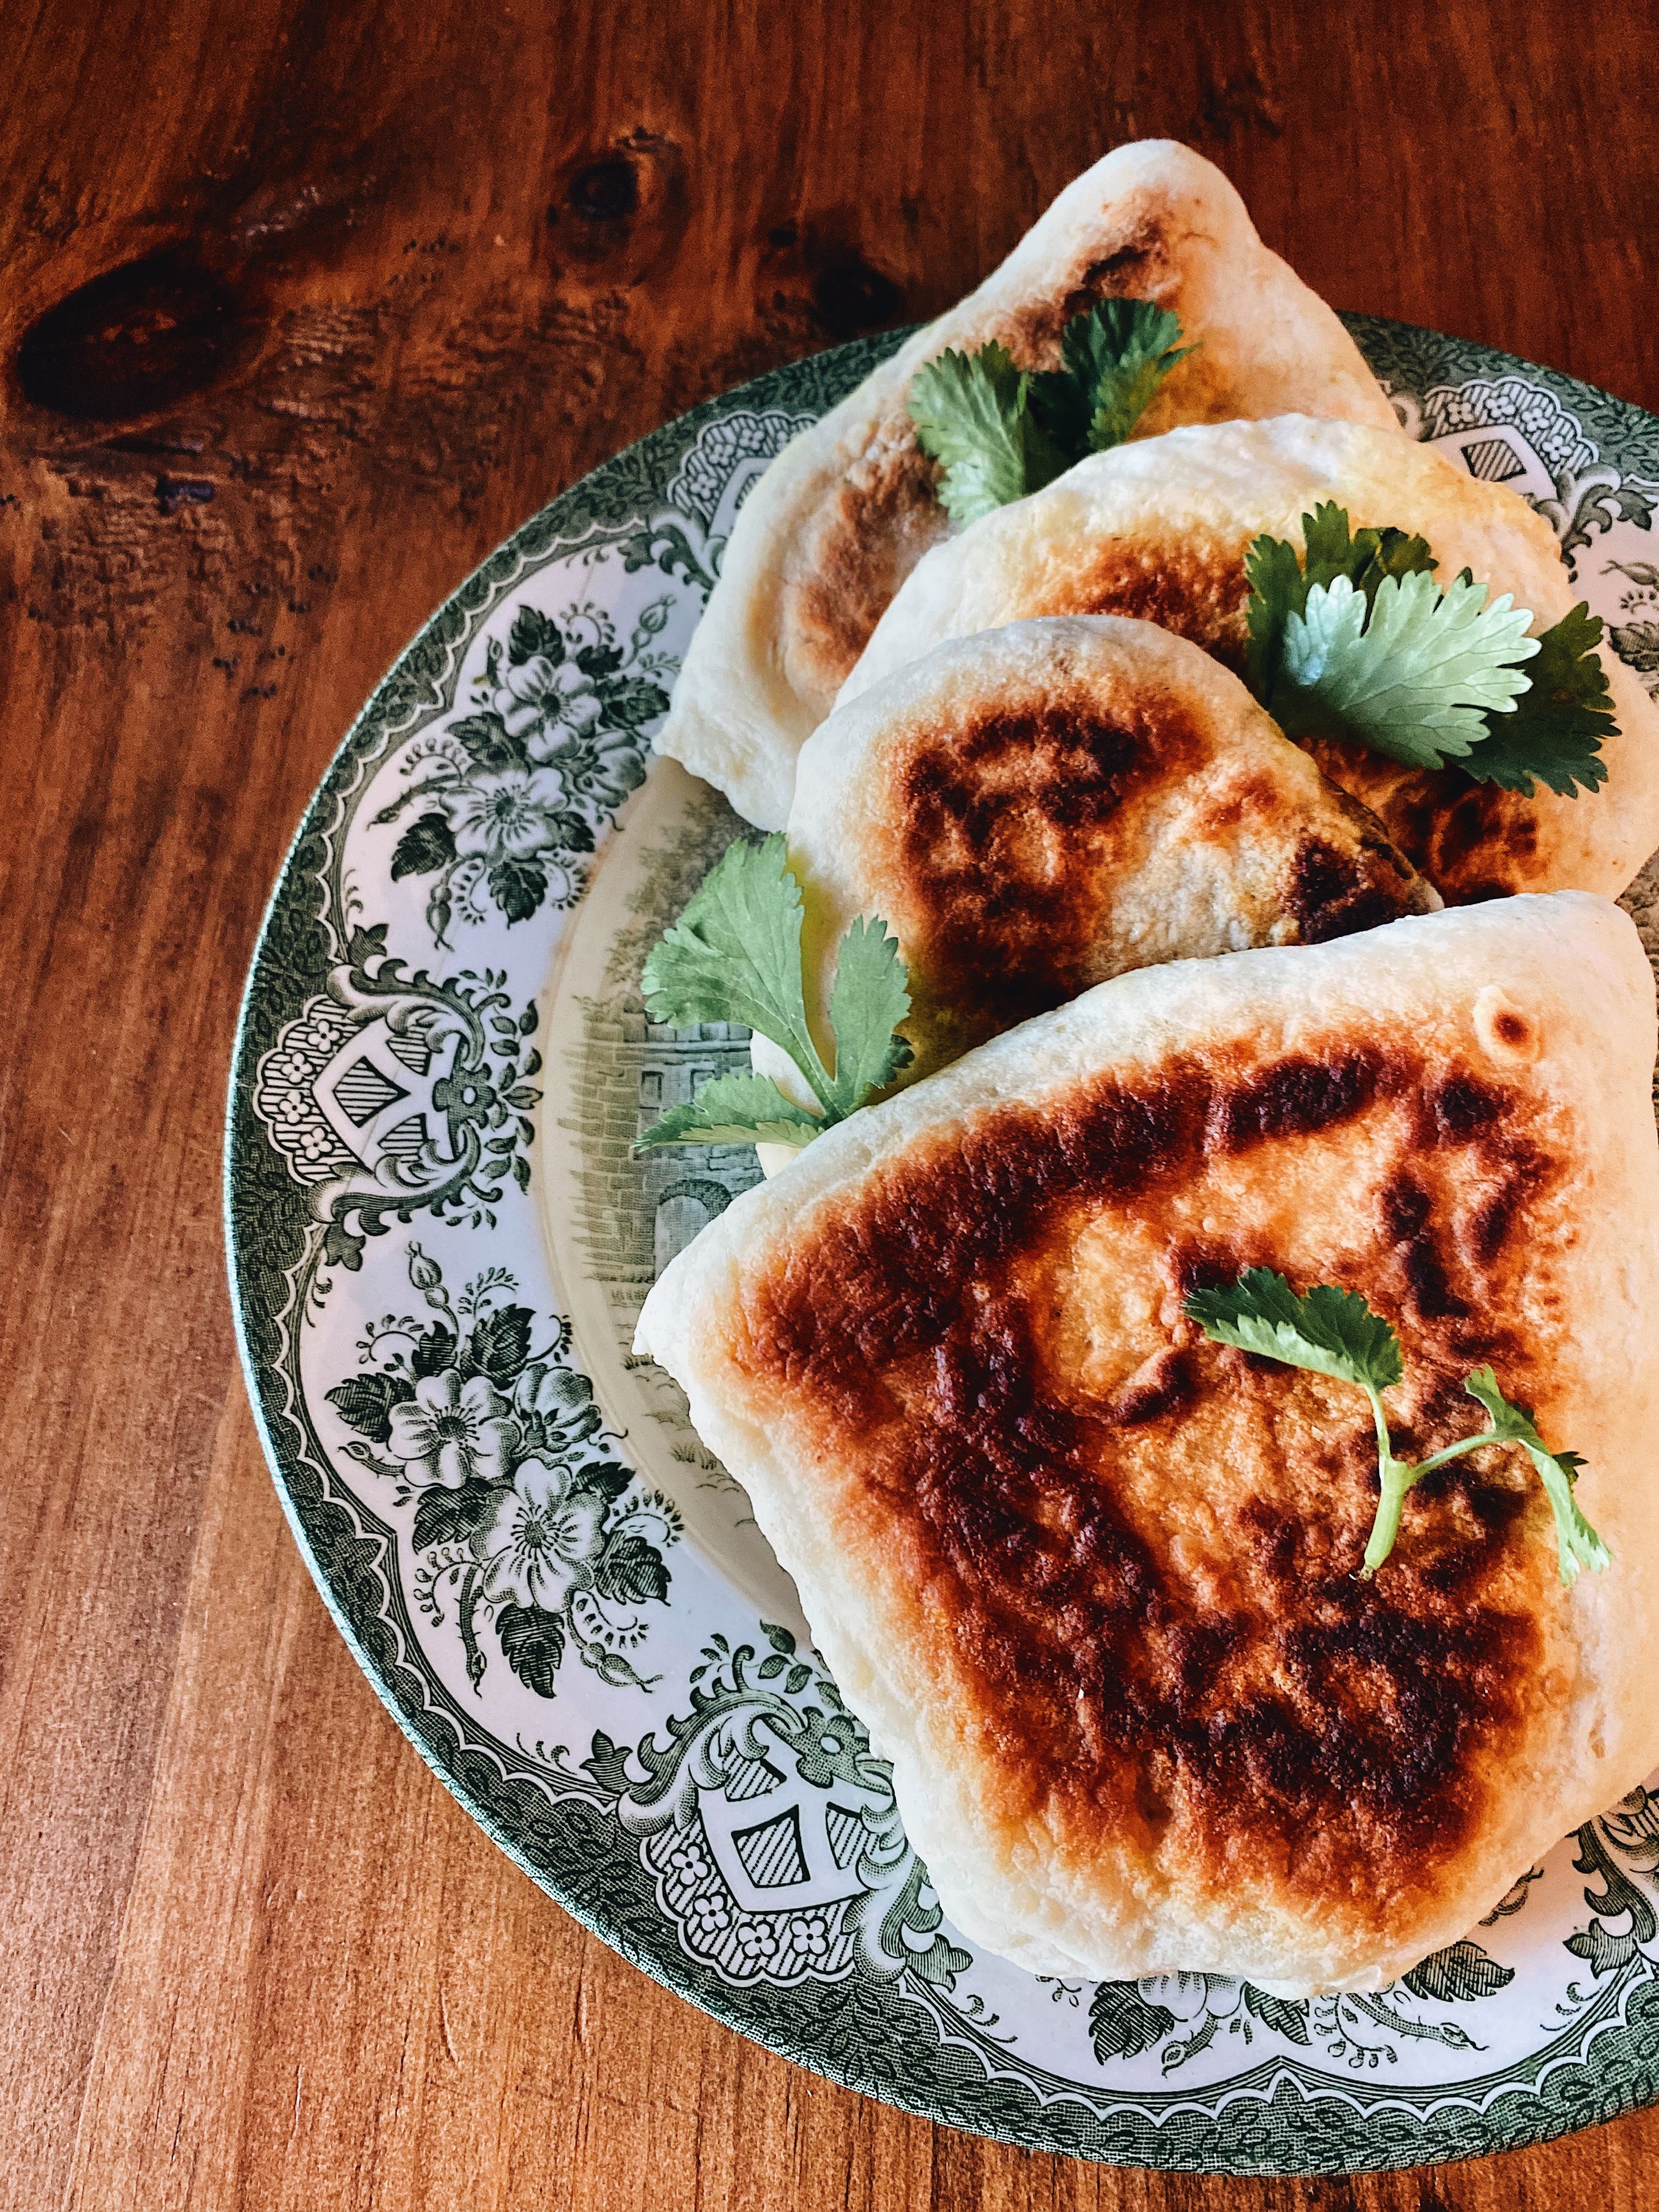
1187,998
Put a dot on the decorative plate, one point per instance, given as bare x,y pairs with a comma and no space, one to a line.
439,1241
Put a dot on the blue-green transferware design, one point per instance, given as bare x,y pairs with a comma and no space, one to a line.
439,1239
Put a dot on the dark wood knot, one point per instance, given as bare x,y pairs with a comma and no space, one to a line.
134,340
849,296
604,192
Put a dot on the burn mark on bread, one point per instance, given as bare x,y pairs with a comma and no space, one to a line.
1280,1707
1472,841
1459,1107
1022,834
1335,891
1523,1173
1006,834
1183,584
1299,1095
1156,1387
1137,269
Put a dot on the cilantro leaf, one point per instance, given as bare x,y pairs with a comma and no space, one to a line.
1000,432
1365,557
1277,591
734,956
733,1109
1556,729
1280,582
1112,362
1421,675
1330,1332
972,413
1577,1544
1412,676
869,998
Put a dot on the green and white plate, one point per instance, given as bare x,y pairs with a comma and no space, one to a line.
439,1243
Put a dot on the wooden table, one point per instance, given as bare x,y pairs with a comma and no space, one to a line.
374,282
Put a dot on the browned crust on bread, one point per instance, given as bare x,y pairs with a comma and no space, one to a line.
1011,829
855,552
1016,826
1133,1554
1471,840
1193,587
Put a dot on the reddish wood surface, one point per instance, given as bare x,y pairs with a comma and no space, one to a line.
381,279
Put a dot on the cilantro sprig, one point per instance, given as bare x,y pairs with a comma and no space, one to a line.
1355,639
1334,1332
734,956
1001,431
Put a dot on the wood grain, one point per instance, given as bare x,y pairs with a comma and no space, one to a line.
370,283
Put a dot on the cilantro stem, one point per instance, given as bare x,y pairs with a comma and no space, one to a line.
1334,1332
1397,1477
805,1054
1578,1542
1456,1452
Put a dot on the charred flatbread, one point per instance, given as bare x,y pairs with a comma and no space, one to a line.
1038,808
1089,1577
1160,531
844,513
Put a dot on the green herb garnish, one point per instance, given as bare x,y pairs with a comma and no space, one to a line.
1001,431
1332,1332
1556,731
734,956
973,412
1356,641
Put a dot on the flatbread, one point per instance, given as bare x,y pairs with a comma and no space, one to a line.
1038,808
1090,1578
1160,529
843,514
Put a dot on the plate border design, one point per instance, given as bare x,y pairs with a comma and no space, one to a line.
885,2037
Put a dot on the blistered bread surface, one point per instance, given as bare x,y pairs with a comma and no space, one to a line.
1160,531
1039,808
1090,1578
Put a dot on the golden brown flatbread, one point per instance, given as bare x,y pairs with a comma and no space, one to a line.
1160,531
1038,808
1090,1578
840,517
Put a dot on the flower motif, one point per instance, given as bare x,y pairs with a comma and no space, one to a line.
454,1431
576,716
507,815
465,1095
708,1915
543,689
756,1942
536,1547
810,1935
559,1398
606,768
